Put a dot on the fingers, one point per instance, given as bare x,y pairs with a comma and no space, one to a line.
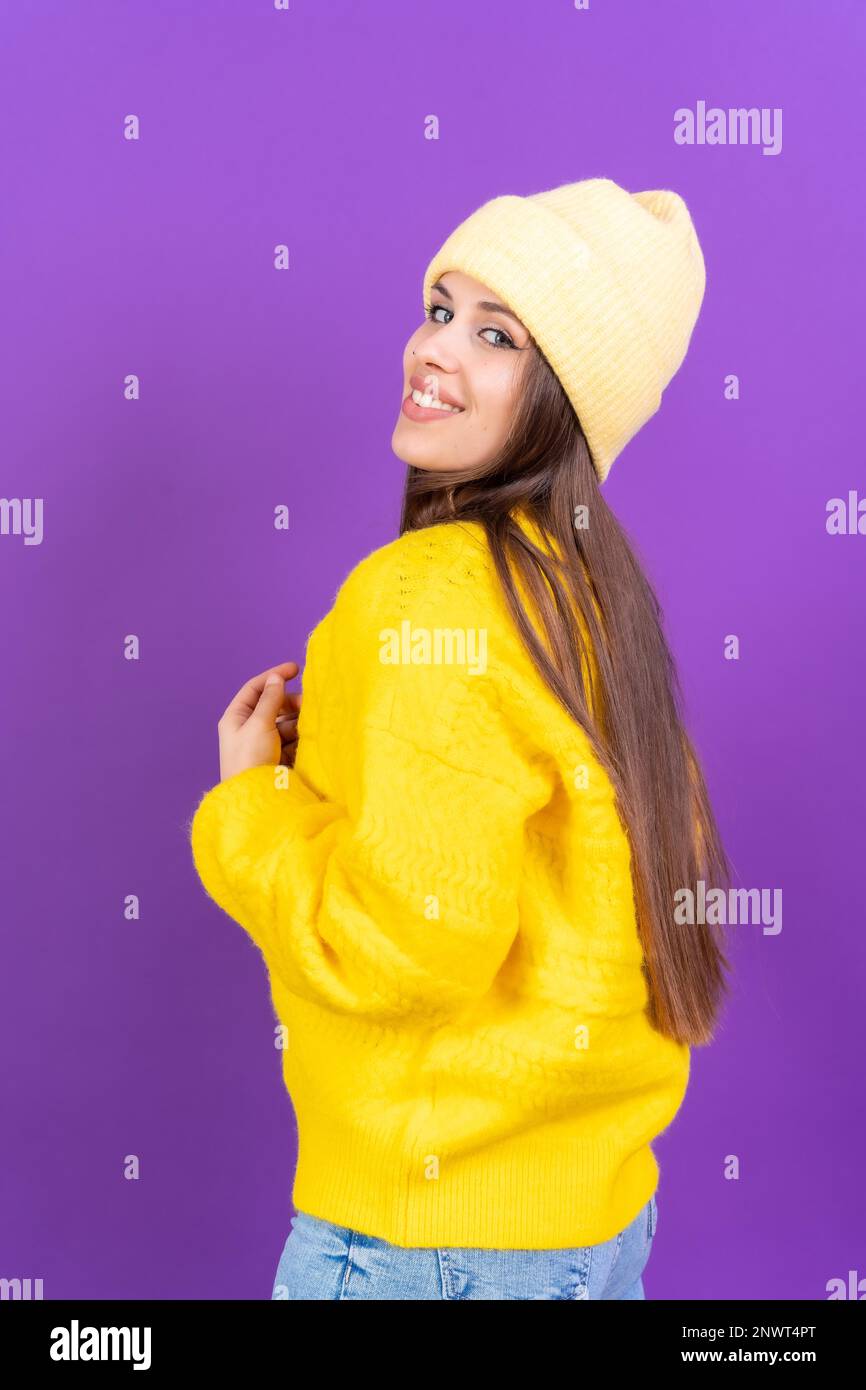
287,727
272,699
287,717
291,705
246,701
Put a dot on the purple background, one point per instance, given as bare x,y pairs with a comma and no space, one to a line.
258,388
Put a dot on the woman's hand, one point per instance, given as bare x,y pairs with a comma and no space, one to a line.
249,732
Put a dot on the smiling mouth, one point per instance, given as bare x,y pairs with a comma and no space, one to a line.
416,408
427,401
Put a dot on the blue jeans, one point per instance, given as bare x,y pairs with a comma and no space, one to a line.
324,1261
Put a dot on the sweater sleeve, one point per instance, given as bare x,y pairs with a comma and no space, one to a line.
403,900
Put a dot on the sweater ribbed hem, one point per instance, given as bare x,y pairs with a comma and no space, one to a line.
550,1189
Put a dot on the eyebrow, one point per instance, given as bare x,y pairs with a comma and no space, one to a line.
489,304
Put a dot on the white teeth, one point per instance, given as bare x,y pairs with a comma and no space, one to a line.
429,402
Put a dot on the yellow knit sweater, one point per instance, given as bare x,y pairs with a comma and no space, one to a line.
441,891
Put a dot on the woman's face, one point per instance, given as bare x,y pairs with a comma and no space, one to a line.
466,353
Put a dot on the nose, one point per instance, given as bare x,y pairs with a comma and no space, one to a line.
436,358
436,351
439,379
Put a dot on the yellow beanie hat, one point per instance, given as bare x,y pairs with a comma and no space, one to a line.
609,283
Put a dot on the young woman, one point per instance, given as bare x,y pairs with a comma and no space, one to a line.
459,857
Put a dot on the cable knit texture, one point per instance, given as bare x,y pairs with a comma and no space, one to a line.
441,891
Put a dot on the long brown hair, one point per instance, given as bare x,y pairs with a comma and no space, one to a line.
631,710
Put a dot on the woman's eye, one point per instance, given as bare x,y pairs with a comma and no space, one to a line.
509,342
432,310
